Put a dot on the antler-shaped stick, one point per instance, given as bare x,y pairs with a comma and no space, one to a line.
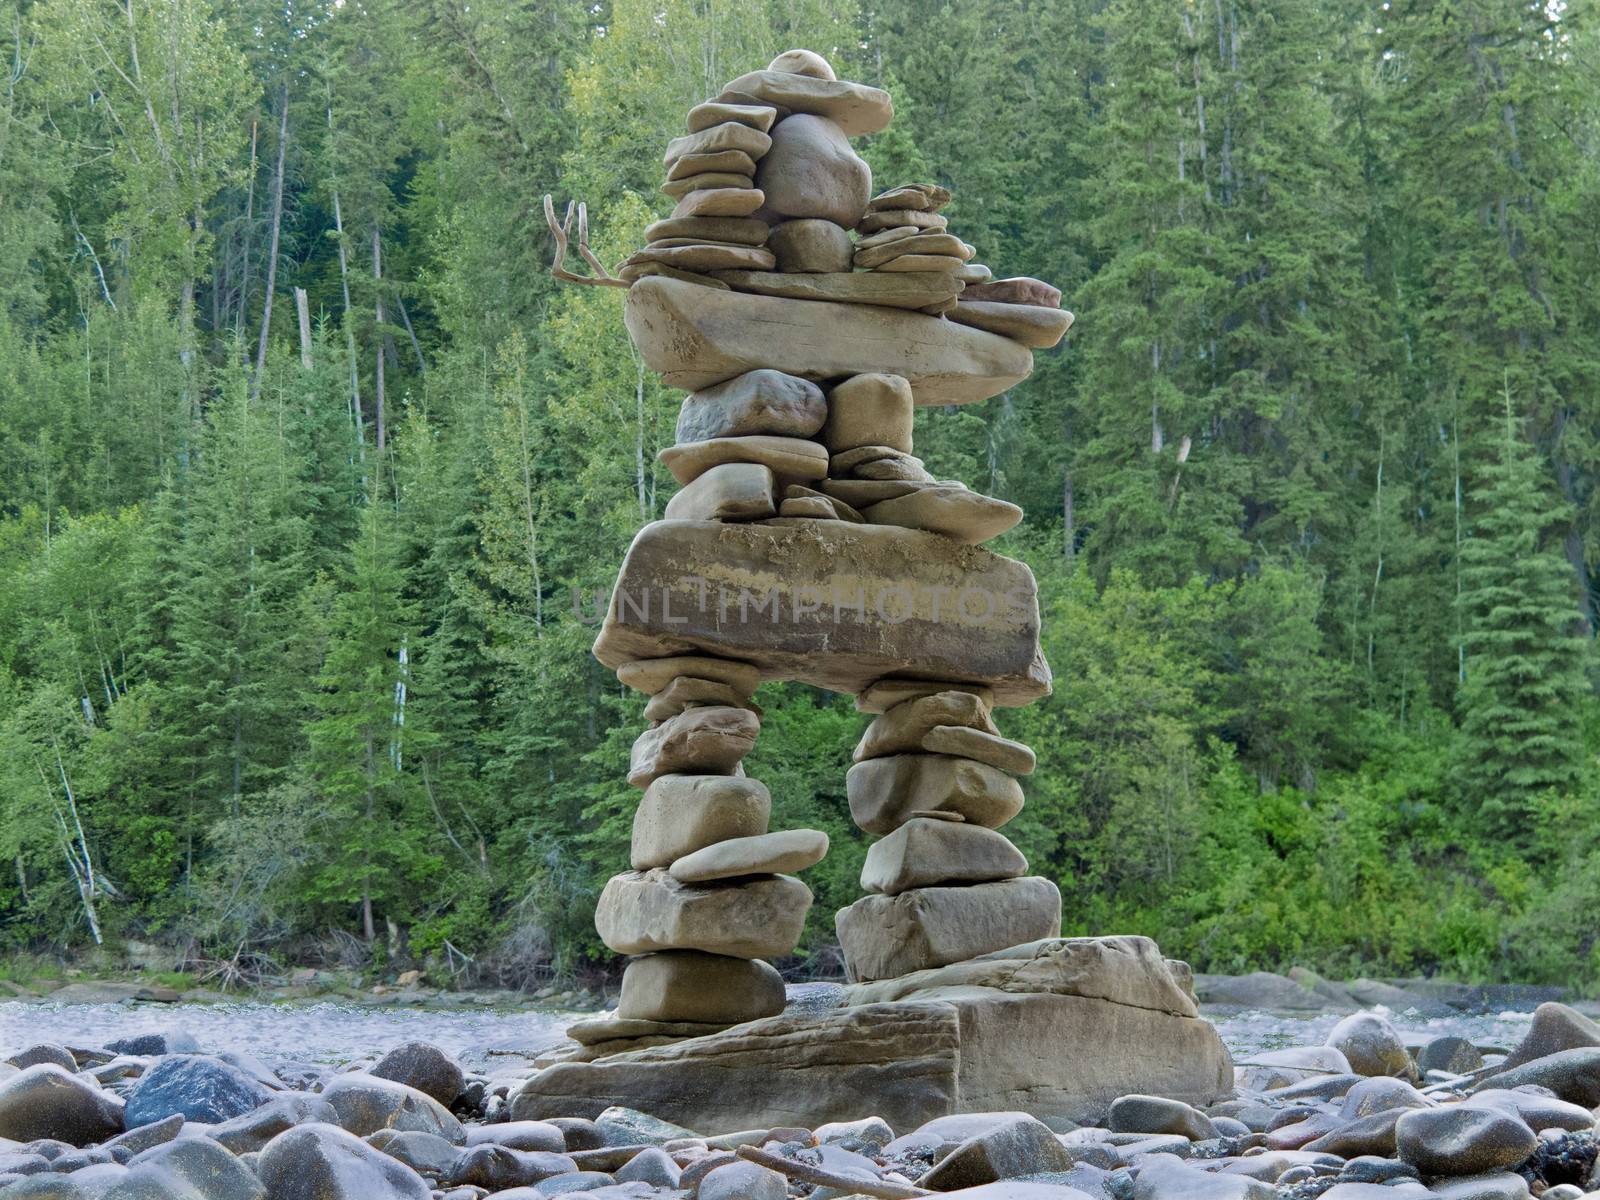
601,277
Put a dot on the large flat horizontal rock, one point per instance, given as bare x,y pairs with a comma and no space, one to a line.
698,336
828,603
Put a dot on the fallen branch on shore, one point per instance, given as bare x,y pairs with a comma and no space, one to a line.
880,1188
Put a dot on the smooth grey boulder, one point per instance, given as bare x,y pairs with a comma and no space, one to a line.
1573,1075
366,1104
1462,1139
1372,1046
1156,1114
1022,1145
761,401
253,1130
424,1067
188,1169
887,936
1555,1028
47,1102
324,1162
197,1086
43,1052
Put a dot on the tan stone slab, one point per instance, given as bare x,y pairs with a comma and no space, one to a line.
1019,289
976,744
951,512
923,197
845,461
887,936
884,236
651,675
734,162
695,339
686,985
788,458
1026,324
637,271
760,917
757,116
876,222
687,692
944,244
714,139
884,792
611,1029
734,491
720,202
925,853
864,492
856,108
707,256
746,231
753,404
813,171
902,729
935,263
816,508
883,694
810,244
847,287
710,181
802,602
699,741
680,814
781,853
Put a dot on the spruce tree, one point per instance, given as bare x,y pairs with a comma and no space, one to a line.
1524,657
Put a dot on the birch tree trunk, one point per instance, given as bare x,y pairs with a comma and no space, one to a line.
272,252
377,309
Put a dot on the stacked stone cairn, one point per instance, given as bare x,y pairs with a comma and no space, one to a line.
774,202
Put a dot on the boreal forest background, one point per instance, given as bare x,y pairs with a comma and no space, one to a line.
294,637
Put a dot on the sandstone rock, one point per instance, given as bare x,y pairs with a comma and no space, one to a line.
730,135
828,603
1155,1114
1016,290
47,1102
1028,324
365,1104
652,675
424,1067
1460,1139
803,62
1371,1045
323,1162
1499,1185
1275,1069
734,162
699,741
923,197
746,231
696,338
987,748
939,243
711,180
685,985
707,256
869,410
680,814
1022,1145
763,854
857,109
886,936
787,457
197,1086
972,273
896,466
862,492
642,912
687,692
1573,1075
884,694
720,202
615,1029
901,729
1555,1028
899,218
884,792
638,271
810,244
884,236
946,264
704,116
812,171
914,290
730,491
757,402
654,1167
924,853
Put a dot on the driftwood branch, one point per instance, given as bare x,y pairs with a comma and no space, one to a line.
883,1189
562,233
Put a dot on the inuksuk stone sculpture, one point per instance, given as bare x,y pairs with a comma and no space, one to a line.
808,318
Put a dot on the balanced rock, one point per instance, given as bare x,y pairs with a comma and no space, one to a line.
323,1162
787,457
857,109
886,936
698,741
695,337
687,692
869,410
899,218
720,202
701,256
776,597
686,985
730,491
707,181
943,263
652,675
812,171
916,290
902,729
735,162
862,492
884,793
810,244
803,62
757,116
763,917
747,231
1016,290
730,135
925,852
987,748
757,402
886,251
923,197
1027,324
762,854
952,512
45,1101
883,694
681,814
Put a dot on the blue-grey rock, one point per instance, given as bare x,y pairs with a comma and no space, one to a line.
197,1086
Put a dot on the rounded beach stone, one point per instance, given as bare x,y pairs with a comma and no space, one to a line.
687,692
1462,1139
683,813
812,171
1371,1045
803,62
757,402
790,458
650,675
698,741
988,748
323,1162
762,854
757,116
643,912
884,694
928,851
425,1067
685,985
883,792
869,410
902,728
720,202
1156,1114
810,245
45,1101
711,180
731,491
200,1087
733,136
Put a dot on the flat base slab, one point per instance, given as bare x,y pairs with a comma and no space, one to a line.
829,603
1029,1030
